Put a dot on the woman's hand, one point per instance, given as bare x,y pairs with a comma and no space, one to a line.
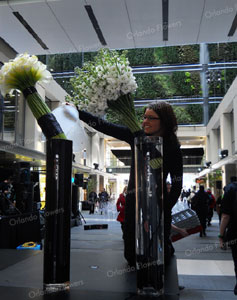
183,232
70,104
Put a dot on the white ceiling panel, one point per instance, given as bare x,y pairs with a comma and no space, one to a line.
15,34
184,21
146,22
217,20
41,19
75,21
64,25
114,22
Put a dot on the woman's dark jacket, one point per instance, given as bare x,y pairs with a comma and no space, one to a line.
172,164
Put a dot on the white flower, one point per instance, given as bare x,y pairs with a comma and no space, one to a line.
108,78
22,72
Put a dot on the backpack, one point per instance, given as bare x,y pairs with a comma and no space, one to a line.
210,200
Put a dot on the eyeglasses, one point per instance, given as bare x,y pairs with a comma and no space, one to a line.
149,118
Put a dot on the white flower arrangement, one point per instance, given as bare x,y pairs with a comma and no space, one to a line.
107,82
21,74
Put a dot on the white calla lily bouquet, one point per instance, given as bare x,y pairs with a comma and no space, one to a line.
22,74
106,82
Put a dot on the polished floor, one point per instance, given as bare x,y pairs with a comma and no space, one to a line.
99,271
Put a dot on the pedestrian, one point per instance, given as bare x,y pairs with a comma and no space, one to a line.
211,205
229,221
192,194
158,120
200,205
103,200
92,201
121,208
6,186
218,206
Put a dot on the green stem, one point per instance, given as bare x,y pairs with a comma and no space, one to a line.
40,108
126,112
60,136
37,105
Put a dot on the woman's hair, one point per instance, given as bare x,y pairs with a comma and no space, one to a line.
167,116
125,189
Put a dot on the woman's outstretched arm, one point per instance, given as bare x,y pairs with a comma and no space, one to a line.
117,131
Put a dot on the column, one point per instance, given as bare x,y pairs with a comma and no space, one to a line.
225,132
235,124
214,142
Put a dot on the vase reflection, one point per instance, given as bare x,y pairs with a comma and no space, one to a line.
149,216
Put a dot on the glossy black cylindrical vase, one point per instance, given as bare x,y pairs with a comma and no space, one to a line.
57,215
149,216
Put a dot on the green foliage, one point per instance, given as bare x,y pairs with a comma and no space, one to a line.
88,56
141,57
177,54
223,52
65,84
182,115
186,83
214,176
212,109
163,86
196,113
151,86
62,62
189,114
92,183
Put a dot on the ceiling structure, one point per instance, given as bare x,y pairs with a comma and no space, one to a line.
63,26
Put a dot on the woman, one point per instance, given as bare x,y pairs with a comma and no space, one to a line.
158,120
121,208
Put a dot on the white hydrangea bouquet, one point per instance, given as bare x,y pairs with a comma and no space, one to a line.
22,74
106,82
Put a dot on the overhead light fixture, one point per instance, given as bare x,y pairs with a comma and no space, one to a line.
233,26
29,29
95,24
165,18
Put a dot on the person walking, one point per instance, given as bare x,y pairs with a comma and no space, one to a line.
92,201
200,205
229,221
211,205
218,206
190,197
121,208
103,200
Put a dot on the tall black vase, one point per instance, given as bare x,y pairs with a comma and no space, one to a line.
149,216
57,215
